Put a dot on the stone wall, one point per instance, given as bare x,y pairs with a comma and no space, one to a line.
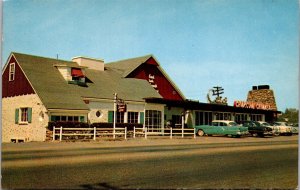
34,131
265,96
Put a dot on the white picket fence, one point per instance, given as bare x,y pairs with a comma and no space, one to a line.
93,132
119,132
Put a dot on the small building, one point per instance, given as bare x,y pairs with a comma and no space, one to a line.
38,90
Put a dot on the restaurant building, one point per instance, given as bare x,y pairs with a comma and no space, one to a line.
38,90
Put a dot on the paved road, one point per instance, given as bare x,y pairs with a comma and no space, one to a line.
213,162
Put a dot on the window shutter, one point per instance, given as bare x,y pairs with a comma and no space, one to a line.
81,118
29,115
110,116
17,116
142,117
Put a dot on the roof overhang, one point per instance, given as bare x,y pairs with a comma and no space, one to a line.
196,105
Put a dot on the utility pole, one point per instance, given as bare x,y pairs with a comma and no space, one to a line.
217,90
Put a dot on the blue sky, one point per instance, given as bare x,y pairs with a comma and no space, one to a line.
235,44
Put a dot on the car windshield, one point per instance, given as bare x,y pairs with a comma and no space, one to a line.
256,124
232,124
280,124
265,124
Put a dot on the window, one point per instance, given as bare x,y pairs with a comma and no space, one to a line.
153,120
67,118
256,117
223,116
120,117
241,117
176,119
12,72
133,117
23,115
98,113
203,118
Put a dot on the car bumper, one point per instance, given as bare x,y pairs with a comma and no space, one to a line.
268,133
243,133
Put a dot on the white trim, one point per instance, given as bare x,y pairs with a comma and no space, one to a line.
111,100
12,72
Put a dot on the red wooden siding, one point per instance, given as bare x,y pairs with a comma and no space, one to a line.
164,87
19,86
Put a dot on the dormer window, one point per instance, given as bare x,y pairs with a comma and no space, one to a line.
75,72
12,71
77,77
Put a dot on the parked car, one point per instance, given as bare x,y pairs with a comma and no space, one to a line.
295,128
221,127
256,129
275,129
284,129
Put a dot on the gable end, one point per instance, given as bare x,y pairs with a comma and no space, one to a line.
16,85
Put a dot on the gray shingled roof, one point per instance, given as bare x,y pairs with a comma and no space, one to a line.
126,66
56,93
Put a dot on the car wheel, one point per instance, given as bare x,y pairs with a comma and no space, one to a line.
200,133
277,134
254,134
261,135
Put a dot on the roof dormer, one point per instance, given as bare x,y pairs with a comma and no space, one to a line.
72,73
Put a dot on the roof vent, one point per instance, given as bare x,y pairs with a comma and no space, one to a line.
91,63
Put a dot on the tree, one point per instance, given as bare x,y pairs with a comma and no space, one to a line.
291,115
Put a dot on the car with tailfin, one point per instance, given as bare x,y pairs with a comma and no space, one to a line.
221,127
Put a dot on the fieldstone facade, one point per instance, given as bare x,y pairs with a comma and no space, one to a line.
264,96
33,131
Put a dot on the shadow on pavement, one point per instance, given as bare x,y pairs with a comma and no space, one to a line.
99,186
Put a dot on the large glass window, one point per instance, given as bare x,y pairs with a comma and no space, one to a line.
223,116
67,118
241,117
120,117
176,119
256,117
132,117
153,120
203,118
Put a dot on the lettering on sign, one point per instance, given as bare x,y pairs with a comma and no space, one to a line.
251,105
121,106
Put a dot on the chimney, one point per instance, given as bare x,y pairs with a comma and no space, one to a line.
262,94
91,63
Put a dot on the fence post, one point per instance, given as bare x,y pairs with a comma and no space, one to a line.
182,124
171,132
194,133
133,131
145,132
53,134
60,134
125,132
94,133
